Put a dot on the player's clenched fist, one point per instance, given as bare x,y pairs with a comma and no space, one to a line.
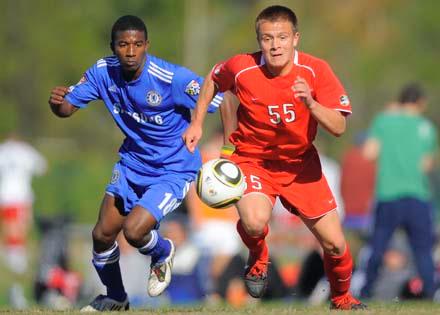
57,95
302,91
57,102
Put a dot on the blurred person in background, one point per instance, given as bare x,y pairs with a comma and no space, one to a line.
284,94
208,223
189,285
357,186
19,163
403,143
150,101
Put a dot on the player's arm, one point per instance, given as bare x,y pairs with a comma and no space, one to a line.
371,149
228,114
428,163
332,120
192,135
58,103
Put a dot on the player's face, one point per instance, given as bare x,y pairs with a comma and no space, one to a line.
130,47
277,42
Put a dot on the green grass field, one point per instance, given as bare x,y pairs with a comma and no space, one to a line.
395,308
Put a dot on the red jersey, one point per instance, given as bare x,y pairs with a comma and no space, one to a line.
272,123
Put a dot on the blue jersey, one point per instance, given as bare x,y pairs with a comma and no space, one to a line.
152,111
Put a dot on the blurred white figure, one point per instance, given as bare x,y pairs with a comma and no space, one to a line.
19,162
332,172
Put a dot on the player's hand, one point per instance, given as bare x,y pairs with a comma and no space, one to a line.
192,135
57,95
302,90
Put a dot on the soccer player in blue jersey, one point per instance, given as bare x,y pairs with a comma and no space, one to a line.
150,101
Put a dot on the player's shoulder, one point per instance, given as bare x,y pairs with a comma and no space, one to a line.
107,62
312,61
246,59
103,67
162,69
240,62
427,123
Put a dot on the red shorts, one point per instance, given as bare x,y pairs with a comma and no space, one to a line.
300,184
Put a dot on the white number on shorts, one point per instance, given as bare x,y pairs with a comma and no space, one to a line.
166,205
256,183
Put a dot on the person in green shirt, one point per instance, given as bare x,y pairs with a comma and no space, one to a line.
403,143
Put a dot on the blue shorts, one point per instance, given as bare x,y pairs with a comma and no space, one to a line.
159,194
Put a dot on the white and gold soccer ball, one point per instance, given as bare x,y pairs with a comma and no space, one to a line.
220,183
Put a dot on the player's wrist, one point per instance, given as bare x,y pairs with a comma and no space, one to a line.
226,151
313,104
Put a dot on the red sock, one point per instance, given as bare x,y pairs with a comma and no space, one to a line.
256,244
338,270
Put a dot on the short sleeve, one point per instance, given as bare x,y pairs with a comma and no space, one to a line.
429,132
329,91
186,89
86,90
223,75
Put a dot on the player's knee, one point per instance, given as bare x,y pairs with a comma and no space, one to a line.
334,247
254,227
102,239
134,233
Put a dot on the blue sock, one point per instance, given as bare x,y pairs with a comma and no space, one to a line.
158,248
107,266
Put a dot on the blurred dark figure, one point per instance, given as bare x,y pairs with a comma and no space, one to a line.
56,286
404,143
190,276
312,271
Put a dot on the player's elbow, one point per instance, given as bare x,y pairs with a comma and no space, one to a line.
62,111
338,130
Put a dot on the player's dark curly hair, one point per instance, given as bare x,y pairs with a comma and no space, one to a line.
274,13
128,22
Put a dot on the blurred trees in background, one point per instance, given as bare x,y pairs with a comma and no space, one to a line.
374,46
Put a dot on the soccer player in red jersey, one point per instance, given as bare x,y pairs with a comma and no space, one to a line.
284,94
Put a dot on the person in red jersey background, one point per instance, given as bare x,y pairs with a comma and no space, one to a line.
284,94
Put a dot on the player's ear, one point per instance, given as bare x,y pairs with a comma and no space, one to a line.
112,46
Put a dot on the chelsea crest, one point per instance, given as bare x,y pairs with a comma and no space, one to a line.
154,98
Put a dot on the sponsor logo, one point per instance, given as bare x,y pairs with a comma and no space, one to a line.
193,88
138,117
344,100
154,98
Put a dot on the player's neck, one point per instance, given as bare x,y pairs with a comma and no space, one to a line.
133,75
280,71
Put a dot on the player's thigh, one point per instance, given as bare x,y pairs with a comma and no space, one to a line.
110,219
164,196
328,231
255,207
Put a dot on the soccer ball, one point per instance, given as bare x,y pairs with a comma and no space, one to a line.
220,183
